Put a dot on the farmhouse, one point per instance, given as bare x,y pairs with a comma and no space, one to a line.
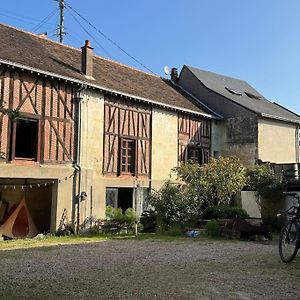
254,129
78,132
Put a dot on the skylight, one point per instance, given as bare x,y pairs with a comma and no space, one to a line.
252,96
234,92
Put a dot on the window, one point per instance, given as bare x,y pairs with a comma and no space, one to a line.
198,155
205,128
127,156
25,139
194,154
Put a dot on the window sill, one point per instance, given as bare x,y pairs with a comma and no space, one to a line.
24,162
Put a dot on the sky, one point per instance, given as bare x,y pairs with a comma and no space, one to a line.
254,40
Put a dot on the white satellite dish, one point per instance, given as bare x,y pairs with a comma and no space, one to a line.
167,70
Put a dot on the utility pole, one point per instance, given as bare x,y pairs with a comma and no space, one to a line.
61,27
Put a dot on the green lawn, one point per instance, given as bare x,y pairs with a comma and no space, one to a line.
79,239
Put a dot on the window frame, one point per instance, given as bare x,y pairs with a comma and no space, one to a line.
134,156
13,137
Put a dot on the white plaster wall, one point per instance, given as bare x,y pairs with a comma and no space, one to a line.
164,152
276,141
249,204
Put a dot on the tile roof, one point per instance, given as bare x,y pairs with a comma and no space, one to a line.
236,90
45,55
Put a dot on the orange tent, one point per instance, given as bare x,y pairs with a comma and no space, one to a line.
19,224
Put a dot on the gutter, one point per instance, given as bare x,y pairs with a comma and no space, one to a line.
101,88
76,163
279,118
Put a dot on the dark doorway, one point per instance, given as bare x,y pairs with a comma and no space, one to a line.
125,198
26,136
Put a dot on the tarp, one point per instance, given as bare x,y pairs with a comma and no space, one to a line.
19,224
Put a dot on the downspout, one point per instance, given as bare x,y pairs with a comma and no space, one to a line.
76,163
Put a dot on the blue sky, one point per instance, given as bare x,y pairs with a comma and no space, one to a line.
254,40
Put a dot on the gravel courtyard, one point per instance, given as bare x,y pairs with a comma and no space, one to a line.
149,269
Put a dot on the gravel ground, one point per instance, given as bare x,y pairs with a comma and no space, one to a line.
149,269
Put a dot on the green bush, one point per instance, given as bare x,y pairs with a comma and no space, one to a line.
264,180
116,221
175,206
212,228
224,212
216,182
148,220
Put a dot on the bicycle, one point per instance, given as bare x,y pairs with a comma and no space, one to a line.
289,240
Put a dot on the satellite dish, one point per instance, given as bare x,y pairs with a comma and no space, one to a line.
167,70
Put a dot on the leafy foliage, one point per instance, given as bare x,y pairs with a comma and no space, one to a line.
264,180
212,228
174,207
224,212
148,220
215,183
116,220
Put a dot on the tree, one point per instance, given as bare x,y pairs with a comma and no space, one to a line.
216,182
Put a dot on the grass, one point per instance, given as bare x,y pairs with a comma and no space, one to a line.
80,239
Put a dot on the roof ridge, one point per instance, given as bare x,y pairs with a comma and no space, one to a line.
77,49
221,75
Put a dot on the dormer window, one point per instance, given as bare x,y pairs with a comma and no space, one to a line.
234,92
252,96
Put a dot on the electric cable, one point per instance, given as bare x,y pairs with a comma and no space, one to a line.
94,39
48,17
109,39
20,20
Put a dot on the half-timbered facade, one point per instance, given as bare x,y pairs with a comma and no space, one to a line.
37,119
127,138
79,132
194,139
37,135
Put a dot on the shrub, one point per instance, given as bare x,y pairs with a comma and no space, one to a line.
148,220
264,180
224,212
216,182
174,207
116,221
212,228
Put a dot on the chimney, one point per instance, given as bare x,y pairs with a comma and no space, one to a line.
87,59
174,75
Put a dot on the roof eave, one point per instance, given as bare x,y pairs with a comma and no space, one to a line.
101,88
280,118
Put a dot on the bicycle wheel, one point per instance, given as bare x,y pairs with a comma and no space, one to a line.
288,241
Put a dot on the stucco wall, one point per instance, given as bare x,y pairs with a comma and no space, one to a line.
91,156
62,196
241,139
248,201
164,153
276,141
218,137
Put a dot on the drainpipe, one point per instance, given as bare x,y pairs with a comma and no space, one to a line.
76,162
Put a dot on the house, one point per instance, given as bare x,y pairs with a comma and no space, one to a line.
79,132
254,129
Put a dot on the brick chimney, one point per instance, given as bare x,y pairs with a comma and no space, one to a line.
174,75
87,59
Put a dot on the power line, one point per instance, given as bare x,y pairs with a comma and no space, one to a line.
20,19
35,28
106,37
94,39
